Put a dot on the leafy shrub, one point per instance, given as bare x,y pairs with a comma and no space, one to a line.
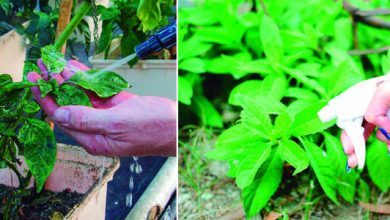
286,66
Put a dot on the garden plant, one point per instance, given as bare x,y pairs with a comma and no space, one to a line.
258,72
24,134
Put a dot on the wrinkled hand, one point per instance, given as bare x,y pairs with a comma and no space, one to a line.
375,116
123,125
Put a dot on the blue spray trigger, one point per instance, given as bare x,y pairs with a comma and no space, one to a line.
163,39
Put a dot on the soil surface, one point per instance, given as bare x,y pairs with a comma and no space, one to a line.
42,206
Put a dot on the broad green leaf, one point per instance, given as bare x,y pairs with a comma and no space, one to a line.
193,47
248,88
194,65
54,60
206,111
342,78
307,121
293,154
263,104
323,168
28,68
378,165
44,87
302,78
300,93
40,149
18,85
256,196
149,13
108,13
257,117
386,63
232,142
105,38
71,95
5,4
283,123
248,167
185,91
271,40
31,107
5,79
104,83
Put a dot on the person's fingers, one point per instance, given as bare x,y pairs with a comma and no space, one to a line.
43,69
377,110
72,66
48,104
382,137
94,144
352,161
101,103
347,143
87,119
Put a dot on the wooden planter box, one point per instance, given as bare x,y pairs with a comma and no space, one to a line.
78,171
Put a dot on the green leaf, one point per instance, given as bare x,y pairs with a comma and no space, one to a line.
185,91
233,141
386,63
194,65
364,191
248,168
342,78
39,149
18,85
28,68
44,87
54,60
5,79
149,13
105,38
283,123
302,78
4,4
256,196
293,154
323,168
307,121
300,93
206,111
71,95
31,107
104,83
271,40
378,165
272,86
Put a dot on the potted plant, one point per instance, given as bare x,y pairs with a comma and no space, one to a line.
31,162
125,25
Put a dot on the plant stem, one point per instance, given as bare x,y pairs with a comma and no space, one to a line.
308,204
84,8
16,171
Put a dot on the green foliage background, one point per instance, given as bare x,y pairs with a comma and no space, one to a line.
278,72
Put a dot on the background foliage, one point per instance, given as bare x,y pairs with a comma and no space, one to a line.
277,72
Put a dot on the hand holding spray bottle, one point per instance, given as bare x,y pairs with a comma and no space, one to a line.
349,109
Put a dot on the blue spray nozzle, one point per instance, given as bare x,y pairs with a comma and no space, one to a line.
163,39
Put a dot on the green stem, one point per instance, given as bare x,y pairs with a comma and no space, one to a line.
82,11
16,171
308,200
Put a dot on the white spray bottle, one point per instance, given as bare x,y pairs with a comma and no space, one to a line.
349,108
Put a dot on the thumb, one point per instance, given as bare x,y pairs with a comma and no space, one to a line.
85,119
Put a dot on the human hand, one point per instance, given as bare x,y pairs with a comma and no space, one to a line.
123,125
375,116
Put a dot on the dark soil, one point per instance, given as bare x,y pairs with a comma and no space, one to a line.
45,205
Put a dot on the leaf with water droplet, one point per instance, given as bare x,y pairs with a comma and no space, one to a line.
104,83
54,60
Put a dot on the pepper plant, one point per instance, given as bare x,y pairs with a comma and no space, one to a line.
24,133
280,63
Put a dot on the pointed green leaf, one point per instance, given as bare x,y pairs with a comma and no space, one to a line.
185,91
271,40
248,168
378,165
256,196
293,154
